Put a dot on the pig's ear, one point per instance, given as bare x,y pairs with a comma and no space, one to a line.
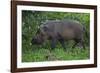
45,28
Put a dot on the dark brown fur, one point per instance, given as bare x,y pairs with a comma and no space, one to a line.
61,30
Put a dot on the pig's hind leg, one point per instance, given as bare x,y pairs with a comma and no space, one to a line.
76,42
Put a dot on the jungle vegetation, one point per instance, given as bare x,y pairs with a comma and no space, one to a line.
34,53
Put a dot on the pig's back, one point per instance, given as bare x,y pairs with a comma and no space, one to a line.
59,26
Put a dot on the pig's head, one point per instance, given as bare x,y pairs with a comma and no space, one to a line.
39,37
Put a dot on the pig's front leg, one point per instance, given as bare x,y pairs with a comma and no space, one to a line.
53,43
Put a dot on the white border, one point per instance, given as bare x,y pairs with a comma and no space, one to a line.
52,63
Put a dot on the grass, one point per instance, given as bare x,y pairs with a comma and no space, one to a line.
42,54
